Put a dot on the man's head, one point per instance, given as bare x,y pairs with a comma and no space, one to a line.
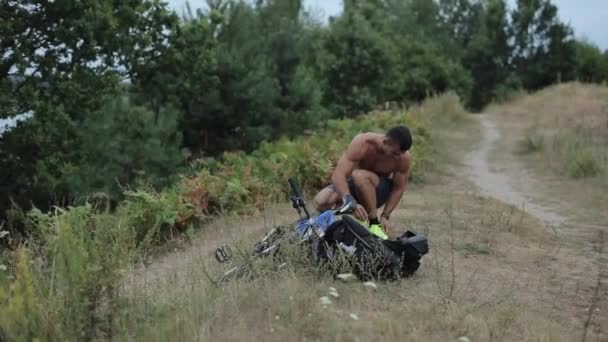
397,140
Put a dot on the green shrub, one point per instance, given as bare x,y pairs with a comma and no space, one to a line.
511,89
121,144
79,264
531,143
21,317
471,248
579,152
243,183
443,110
584,165
149,213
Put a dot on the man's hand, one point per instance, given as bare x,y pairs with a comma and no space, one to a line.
360,213
386,225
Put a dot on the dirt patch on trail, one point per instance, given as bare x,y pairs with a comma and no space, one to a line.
498,184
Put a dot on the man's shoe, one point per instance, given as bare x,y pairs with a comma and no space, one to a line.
377,230
361,222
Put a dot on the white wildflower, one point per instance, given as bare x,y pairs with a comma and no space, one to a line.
325,300
346,277
371,285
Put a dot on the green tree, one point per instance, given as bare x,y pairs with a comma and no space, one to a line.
283,33
414,19
544,50
488,54
359,66
58,60
372,11
591,63
423,70
459,22
236,72
120,144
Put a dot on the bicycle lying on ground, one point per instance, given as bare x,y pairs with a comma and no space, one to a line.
331,235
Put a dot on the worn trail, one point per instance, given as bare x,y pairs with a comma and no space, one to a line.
500,185
504,178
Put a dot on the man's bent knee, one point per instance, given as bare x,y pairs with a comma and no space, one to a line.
325,199
364,177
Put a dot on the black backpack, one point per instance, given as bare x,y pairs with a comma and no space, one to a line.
369,256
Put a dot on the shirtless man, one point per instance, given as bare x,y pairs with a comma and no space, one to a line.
374,172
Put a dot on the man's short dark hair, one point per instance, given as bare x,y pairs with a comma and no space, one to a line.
402,136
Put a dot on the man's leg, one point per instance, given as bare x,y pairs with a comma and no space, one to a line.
366,183
326,199
383,191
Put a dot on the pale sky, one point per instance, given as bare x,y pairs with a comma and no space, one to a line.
588,17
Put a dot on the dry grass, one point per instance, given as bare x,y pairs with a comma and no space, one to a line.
519,290
528,283
560,136
561,106
569,124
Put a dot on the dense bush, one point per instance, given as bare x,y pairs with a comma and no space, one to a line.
138,144
579,152
243,183
591,63
63,76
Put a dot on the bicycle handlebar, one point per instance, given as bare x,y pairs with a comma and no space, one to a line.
296,198
298,201
294,188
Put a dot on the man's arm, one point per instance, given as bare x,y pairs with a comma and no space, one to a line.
347,164
400,179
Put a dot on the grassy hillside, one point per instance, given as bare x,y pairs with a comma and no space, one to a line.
561,136
61,281
567,124
494,272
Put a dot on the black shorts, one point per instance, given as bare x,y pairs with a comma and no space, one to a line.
383,190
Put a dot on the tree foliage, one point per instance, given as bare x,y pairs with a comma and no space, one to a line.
60,59
488,53
591,63
127,91
543,49
359,62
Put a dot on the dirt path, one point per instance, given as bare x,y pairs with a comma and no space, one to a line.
499,184
497,173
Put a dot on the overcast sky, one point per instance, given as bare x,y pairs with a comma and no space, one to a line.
588,17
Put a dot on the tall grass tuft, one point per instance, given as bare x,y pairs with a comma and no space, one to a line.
21,315
531,143
442,110
579,152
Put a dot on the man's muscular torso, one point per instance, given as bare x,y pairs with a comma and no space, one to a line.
372,158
